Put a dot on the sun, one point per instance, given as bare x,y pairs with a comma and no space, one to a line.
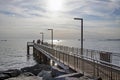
55,5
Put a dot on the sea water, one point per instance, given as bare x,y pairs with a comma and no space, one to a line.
13,51
13,54
101,45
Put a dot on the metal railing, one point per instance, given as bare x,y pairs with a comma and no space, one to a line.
92,63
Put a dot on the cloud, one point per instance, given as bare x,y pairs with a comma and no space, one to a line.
95,7
34,15
36,8
21,7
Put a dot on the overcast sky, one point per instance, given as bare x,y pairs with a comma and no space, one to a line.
27,18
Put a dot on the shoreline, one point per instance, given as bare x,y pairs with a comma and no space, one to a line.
35,70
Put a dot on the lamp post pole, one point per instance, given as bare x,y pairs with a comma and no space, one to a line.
42,36
81,19
51,37
53,63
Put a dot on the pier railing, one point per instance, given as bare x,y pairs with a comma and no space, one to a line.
92,63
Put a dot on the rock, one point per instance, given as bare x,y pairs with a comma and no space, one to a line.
4,76
9,73
46,75
36,68
26,78
27,74
67,78
86,78
12,72
98,78
57,72
75,75
71,78
60,78
90,78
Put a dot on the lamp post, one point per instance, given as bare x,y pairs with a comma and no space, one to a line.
51,37
42,36
81,19
81,34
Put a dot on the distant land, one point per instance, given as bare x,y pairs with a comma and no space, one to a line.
112,40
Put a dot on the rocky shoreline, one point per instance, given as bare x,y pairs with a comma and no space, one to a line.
36,72
41,72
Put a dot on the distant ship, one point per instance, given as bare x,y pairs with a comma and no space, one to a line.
112,39
3,40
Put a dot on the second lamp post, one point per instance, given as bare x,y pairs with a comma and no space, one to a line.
51,37
42,36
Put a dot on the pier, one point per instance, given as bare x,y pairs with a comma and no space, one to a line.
97,64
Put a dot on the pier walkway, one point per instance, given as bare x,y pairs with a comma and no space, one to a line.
93,63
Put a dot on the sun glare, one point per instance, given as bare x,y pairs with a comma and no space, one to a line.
55,5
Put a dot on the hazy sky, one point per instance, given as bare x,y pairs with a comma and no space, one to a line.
27,18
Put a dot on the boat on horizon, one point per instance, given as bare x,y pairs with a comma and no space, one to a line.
3,40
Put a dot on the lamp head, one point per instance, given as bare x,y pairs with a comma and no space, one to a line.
78,18
50,29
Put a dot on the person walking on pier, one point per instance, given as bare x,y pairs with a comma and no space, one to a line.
38,41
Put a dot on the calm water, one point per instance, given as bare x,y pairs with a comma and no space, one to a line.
13,52
109,46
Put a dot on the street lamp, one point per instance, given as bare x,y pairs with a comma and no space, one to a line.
51,37
81,33
81,19
42,36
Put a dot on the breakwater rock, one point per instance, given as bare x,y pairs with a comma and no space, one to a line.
9,73
26,71
41,72
36,69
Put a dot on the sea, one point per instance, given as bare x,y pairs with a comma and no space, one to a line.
13,52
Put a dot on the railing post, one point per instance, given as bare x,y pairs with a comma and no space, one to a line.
97,68
82,57
68,55
111,72
94,67
28,50
77,58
